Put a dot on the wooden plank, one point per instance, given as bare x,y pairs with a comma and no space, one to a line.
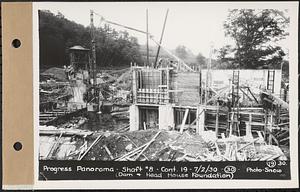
284,139
148,144
90,147
108,152
184,120
134,145
260,135
248,144
66,132
54,146
131,152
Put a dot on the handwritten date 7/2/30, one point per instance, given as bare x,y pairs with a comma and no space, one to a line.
205,169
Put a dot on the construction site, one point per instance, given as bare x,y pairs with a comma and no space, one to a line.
163,111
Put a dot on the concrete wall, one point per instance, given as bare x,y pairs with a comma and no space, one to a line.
256,79
187,84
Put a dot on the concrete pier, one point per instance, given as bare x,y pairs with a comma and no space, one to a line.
134,118
166,116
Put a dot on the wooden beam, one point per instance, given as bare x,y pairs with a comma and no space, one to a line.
184,120
134,86
53,148
252,95
108,152
136,150
96,141
144,149
245,94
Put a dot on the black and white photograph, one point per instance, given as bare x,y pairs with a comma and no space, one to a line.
163,82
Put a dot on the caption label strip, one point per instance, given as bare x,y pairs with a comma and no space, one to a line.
109,170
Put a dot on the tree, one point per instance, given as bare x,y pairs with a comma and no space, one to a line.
186,55
181,52
224,58
255,33
201,60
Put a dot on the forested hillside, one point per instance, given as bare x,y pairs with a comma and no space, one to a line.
57,34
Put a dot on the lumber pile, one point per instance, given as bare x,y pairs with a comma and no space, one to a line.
159,145
237,149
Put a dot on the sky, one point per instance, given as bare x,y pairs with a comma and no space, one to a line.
198,26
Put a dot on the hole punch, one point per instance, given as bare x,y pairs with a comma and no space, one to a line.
16,43
17,146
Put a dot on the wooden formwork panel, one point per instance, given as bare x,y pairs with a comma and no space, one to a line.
186,86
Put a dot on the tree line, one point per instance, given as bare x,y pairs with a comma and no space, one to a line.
57,34
255,34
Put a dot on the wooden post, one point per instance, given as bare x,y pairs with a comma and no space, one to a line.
134,86
161,37
108,152
184,120
270,139
147,36
201,119
150,86
200,88
141,87
159,88
217,121
168,94
231,124
270,130
96,140
266,124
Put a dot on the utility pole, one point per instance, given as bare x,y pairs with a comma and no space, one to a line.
147,37
161,37
93,67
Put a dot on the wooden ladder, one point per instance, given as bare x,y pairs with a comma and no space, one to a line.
234,125
270,80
